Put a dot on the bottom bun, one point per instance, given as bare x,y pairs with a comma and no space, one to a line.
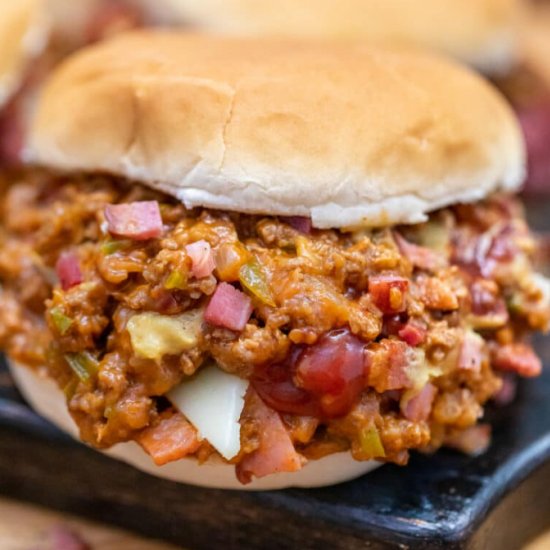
48,400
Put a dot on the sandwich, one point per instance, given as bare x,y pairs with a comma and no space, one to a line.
263,263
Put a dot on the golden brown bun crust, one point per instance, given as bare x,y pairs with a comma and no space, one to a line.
480,32
348,134
23,34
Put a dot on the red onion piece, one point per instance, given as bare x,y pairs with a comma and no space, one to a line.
202,257
419,256
276,452
68,271
300,223
419,407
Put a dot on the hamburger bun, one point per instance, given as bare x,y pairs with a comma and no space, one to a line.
24,30
48,400
479,32
348,134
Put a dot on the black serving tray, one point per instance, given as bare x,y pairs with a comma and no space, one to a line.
497,501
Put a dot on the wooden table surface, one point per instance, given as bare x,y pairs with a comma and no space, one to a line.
27,527
542,543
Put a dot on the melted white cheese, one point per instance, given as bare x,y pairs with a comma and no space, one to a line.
213,402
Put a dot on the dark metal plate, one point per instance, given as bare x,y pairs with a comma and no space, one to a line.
493,502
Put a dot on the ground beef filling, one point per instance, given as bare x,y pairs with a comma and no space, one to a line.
373,341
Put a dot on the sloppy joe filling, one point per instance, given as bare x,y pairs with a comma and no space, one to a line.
373,342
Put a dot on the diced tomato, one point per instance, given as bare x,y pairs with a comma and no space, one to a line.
171,439
332,363
135,220
202,258
419,407
414,332
68,271
518,358
275,453
386,365
301,224
229,308
322,380
333,370
275,385
388,292
419,256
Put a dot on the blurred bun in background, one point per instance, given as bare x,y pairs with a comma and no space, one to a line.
24,30
36,35
480,32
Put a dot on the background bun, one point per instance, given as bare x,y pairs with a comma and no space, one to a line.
24,31
348,134
48,400
480,32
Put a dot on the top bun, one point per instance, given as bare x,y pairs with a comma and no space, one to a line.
348,134
24,30
479,32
